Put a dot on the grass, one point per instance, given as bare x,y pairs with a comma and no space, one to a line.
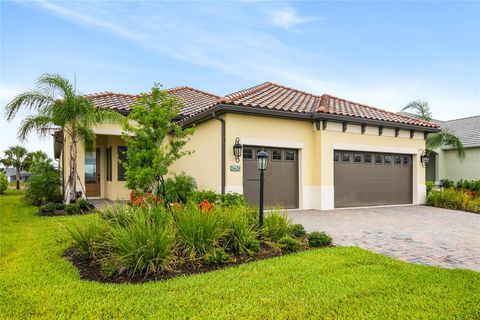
331,283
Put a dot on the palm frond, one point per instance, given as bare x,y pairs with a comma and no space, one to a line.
421,109
37,123
87,137
29,100
445,138
56,85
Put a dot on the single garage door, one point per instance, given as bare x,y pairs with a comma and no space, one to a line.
281,177
369,179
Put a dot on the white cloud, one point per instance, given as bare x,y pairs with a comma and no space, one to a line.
286,18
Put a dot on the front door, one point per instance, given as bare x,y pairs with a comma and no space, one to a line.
92,173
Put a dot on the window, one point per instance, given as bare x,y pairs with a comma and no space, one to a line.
388,159
90,167
398,159
247,154
346,157
290,155
406,159
336,156
122,157
357,158
367,158
276,155
378,159
109,163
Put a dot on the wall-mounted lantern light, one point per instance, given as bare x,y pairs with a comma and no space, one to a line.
424,158
237,149
262,165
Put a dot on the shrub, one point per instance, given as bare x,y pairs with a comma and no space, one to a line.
86,238
199,196
59,206
276,225
430,185
3,182
297,230
288,244
179,189
73,208
435,198
447,183
123,215
319,239
198,232
216,256
83,204
241,235
43,186
142,246
454,199
49,207
231,200
473,185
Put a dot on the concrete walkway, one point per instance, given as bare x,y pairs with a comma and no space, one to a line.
417,234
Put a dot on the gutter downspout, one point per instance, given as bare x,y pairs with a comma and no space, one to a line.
222,133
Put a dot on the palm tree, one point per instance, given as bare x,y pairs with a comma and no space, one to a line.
421,110
17,157
58,106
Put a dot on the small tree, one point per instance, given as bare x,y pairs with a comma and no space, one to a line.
58,106
421,110
154,141
16,157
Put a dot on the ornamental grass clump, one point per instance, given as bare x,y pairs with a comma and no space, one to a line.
276,225
198,231
87,239
144,245
241,232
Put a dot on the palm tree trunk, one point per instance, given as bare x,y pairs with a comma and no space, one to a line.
17,174
72,179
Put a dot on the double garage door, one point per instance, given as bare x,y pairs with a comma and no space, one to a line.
281,177
369,179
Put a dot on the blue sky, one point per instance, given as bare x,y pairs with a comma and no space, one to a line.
380,53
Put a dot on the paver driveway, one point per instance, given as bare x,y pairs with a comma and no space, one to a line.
417,234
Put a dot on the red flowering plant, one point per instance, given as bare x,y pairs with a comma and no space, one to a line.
205,206
144,199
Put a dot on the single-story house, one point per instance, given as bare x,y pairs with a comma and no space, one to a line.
11,174
444,162
325,152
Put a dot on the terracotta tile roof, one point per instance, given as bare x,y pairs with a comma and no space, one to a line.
338,106
265,96
194,100
277,97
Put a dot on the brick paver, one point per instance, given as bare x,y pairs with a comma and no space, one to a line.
417,234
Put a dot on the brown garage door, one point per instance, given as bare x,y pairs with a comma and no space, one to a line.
281,177
369,179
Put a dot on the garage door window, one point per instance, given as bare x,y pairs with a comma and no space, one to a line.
247,154
357,158
388,159
289,155
406,160
398,160
367,158
276,155
336,156
346,157
378,159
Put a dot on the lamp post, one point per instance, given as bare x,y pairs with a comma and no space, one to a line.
262,164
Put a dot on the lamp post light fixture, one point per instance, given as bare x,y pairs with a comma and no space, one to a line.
237,149
262,165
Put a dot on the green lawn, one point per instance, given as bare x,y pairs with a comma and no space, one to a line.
333,283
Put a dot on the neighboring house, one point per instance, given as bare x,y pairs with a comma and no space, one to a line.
325,152
445,163
11,174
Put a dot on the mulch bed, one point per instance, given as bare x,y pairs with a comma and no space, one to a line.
91,270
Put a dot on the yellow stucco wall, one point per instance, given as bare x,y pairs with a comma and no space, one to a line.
204,163
315,153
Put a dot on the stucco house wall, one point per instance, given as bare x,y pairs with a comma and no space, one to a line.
452,168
